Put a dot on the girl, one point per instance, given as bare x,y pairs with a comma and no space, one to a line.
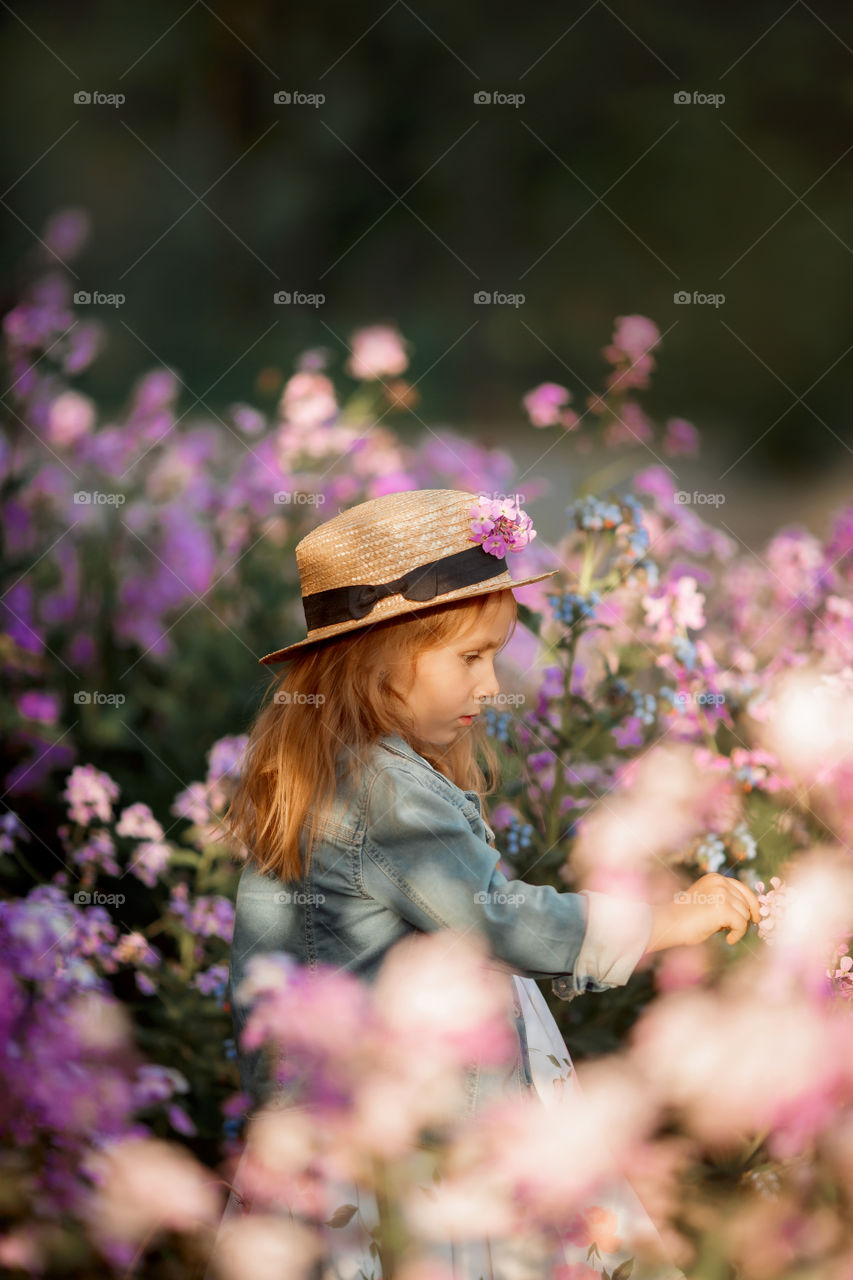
361,788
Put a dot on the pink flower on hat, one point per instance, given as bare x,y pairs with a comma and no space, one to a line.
500,526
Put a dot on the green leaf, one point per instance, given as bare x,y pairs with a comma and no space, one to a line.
529,618
624,1269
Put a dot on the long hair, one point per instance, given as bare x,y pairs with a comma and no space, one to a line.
321,714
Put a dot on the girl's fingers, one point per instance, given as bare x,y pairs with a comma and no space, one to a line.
752,902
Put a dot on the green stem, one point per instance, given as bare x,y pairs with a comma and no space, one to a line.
585,579
392,1236
552,830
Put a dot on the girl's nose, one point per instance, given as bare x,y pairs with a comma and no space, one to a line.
488,688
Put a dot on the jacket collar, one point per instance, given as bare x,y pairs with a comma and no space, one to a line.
393,742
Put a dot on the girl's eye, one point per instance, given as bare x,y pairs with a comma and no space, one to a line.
471,657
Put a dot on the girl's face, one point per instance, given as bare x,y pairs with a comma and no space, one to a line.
450,681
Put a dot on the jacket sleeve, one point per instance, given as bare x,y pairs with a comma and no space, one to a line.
422,859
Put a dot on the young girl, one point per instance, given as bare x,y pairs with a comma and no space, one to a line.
361,788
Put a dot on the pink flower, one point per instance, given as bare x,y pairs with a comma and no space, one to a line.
543,403
71,416
500,526
308,400
137,820
596,1225
149,860
630,427
192,804
633,337
89,794
681,438
148,1186
377,351
679,606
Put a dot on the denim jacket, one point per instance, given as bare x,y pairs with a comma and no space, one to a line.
408,851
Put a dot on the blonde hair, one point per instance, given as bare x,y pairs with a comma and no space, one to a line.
320,714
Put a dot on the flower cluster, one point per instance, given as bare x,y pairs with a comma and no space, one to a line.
634,338
714,850
545,406
90,794
497,723
571,608
772,902
71,1076
518,836
499,526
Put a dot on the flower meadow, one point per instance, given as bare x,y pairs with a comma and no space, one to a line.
674,705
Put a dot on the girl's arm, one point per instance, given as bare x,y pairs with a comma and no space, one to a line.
421,858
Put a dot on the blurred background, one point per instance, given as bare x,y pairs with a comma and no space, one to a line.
624,158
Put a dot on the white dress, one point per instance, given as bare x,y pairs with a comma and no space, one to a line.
504,1258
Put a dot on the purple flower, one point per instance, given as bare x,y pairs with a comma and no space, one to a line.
156,1083
192,804
97,851
544,403
146,986
90,794
212,981
629,733
138,821
225,757
149,860
67,231
500,526
11,829
634,336
681,438
37,705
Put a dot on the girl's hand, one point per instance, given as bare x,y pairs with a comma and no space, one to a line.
712,902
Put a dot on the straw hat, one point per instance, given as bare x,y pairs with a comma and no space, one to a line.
402,552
